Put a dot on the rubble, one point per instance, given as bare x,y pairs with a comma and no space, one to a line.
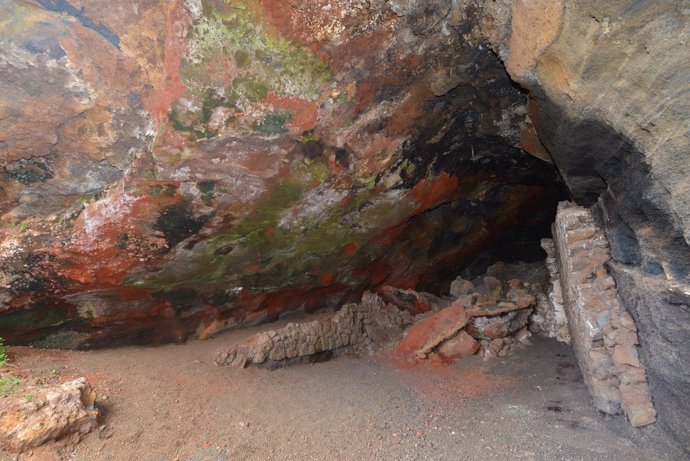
494,306
483,318
460,287
431,331
498,326
44,412
460,345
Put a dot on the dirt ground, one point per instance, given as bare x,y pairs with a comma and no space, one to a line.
172,403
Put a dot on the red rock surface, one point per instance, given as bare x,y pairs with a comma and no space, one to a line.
172,168
428,333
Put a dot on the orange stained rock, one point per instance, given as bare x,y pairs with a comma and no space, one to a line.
535,25
327,279
431,192
431,331
170,87
349,249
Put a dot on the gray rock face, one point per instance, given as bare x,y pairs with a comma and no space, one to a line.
609,100
661,310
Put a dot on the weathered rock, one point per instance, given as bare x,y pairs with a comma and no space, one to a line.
491,309
466,301
369,322
499,347
460,287
637,405
489,290
498,326
411,300
460,345
52,412
423,336
521,298
523,335
549,317
625,354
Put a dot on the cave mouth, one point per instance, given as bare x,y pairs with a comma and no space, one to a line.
456,201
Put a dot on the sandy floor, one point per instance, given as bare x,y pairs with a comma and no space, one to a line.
173,403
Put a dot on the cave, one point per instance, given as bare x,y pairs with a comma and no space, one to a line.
344,229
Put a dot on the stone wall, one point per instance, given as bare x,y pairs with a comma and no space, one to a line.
603,333
369,322
549,317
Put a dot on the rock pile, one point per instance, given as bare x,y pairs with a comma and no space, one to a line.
371,321
488,315
41,413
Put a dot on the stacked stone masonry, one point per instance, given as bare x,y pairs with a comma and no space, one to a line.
371,321
549,317
602,331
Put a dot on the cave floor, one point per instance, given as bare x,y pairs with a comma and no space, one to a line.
172,403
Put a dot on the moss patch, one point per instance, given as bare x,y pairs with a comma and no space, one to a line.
9,386
271,248
193,114
274,124
230,38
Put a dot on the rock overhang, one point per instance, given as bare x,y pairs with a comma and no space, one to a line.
230,161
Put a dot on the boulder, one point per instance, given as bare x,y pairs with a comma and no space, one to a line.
489,290
41,413
460,287
460,345
410,300
522,298
498,326
425,335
